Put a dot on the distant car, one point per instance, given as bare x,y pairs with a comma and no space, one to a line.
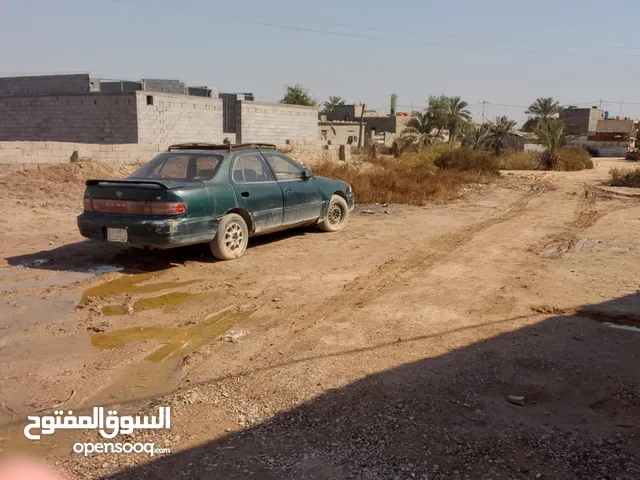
215,194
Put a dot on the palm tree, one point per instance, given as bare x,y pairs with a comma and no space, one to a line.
499,133
419,128
458,114
438,110
329,105
474,135
550,132
544,107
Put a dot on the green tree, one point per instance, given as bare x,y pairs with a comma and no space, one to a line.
330,104
298,95
457,115
475,136
499,134
438,112
543,107
419,131
550,132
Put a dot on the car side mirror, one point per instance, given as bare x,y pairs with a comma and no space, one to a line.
307,174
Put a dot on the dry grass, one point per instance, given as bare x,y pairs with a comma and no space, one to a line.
573,159
410,179
625,177
519,161
466,159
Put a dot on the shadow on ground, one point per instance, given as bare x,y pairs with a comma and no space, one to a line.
451,416
90,255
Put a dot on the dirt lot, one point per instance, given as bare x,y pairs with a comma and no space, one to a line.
387,351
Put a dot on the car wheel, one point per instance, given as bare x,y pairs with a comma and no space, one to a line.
231,239
337,215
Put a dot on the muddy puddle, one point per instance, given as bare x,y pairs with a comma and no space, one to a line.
159,372
178,341
169,303
133,284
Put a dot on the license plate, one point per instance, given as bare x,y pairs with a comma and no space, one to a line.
117,235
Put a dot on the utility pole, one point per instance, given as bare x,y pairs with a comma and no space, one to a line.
621,102
484,105
361,136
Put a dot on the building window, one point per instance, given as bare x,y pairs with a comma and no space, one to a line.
324,134
149,99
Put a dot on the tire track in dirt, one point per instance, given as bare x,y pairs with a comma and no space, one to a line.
556,245
370,285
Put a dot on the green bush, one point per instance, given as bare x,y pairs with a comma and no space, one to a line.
573,159
464,158
520,161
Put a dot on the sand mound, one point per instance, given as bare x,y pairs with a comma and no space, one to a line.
49,186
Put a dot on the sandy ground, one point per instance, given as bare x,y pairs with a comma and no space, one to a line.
389,350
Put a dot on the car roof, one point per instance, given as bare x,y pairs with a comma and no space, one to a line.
222,148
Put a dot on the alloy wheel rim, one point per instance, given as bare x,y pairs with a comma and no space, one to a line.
234,237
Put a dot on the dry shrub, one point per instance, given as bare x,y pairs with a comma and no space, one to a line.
573,159
520,161
394,181
467,159
625,177
426,157
633,156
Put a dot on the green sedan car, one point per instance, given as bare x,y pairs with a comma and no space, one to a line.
215,194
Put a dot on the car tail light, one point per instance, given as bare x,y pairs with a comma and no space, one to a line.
164,208
133,207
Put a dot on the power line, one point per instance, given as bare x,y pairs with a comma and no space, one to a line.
354,35
458,37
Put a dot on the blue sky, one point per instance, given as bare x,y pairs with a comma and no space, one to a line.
502,51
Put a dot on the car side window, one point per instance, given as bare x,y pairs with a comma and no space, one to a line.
206,166
284,167
251,168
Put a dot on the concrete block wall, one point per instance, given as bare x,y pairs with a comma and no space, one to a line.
47,84
312,152
164,86
275,122
170,118
87,118
16,156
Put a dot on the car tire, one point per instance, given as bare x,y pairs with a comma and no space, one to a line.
337,215
231,239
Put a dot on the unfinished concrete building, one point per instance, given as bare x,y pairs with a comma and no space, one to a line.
79,108
83,109
595,129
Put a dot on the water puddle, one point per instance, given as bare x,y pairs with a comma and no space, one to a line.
168,302
622,327
132,284
177,342
104,269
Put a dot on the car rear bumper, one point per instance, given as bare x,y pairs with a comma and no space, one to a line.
149,232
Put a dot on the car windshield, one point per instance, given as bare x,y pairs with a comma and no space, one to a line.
184,166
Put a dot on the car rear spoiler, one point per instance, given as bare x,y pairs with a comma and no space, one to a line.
130,182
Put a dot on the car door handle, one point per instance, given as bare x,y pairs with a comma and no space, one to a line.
288,190
245,194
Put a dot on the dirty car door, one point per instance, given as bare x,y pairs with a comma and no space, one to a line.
257,191
302,197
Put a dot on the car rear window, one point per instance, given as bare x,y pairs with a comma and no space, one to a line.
190,167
